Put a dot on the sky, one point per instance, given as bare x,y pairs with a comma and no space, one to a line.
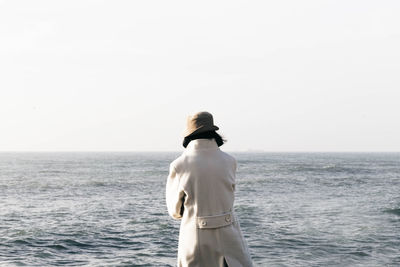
124,75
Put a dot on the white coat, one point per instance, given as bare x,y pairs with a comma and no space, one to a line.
200,191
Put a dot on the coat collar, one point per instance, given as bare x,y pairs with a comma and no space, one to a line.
201,144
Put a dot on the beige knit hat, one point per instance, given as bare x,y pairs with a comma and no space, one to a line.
199,123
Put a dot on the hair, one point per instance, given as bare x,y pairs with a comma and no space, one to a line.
205,135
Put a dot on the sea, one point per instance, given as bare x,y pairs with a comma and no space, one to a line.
108,209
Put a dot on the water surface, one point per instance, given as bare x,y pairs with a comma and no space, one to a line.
108,209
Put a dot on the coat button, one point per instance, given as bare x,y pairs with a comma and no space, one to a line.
228,218
203,223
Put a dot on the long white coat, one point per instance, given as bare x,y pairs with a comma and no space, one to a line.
200,191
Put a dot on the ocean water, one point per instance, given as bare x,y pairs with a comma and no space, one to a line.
108,209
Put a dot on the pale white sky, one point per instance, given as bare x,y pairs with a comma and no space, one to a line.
124,75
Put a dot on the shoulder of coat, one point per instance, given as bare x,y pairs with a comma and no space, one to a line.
177,163
229,156
231,159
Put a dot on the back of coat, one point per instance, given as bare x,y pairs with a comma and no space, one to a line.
200,192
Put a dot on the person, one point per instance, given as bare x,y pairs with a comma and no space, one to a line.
200,192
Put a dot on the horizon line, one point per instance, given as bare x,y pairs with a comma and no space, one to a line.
179,151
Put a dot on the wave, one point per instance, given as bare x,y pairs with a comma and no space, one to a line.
393,211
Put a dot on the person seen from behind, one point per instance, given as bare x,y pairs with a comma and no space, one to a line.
200,192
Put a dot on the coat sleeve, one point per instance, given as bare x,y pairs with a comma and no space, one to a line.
174,194
234,174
